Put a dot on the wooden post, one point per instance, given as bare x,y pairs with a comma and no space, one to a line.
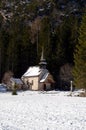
71,86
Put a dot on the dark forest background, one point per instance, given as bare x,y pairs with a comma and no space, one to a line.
28,25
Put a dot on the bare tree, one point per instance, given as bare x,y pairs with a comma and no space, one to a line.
66,76
35,28
6,77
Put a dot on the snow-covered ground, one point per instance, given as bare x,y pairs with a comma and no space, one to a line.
31,110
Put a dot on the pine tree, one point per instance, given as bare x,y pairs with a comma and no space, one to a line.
79,71
14,40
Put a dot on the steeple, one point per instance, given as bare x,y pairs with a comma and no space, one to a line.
43,62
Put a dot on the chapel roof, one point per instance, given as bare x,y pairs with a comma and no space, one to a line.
32,71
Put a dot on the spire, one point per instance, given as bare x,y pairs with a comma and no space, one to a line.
42,54
43,62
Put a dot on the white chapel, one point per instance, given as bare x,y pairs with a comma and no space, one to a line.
38,77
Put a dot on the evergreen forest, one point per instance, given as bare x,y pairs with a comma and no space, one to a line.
57,25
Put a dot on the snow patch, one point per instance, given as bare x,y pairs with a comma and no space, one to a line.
33,110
